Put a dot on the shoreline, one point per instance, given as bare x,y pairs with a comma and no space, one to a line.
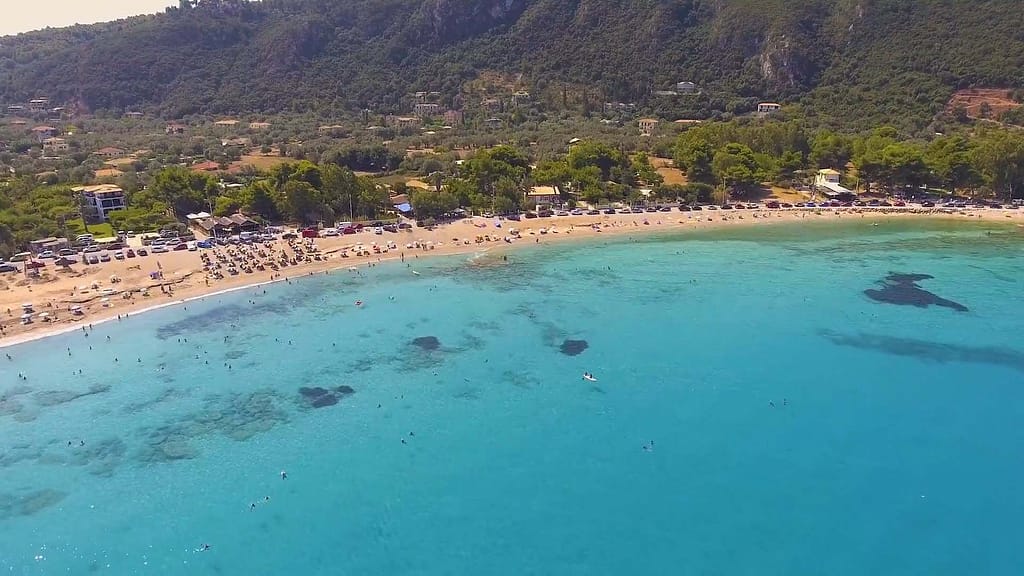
443,244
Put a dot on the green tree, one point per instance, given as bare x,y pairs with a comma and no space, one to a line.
696,157
303,201
735,167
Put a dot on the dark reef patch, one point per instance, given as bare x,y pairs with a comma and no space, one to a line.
573,347
902,290
237,416
324,401
427,343
30,503
55,397
930,351
317,397
314,392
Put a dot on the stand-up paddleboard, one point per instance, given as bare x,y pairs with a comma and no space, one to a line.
589,378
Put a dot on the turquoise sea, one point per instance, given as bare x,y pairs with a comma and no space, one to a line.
755,412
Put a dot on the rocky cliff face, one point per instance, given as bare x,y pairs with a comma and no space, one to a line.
453,20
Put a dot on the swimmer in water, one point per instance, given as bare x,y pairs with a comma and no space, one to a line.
284,475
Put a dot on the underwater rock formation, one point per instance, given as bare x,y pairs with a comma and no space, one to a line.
573,347
317,397
902,290
427,343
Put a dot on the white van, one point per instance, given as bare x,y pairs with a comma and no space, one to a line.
84,238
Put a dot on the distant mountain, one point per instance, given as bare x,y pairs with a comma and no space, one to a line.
847,62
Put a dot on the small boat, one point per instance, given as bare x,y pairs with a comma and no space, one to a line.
416,273
589,377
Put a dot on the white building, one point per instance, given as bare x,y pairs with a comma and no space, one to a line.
99,201
685,88
768,108
827,181
427,110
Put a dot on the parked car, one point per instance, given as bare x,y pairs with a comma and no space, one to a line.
576,212
118,255
609,210
66,252
289,236
160,249
405,226
91,249
181,246
593,212
104,257
684,208
378,230
47,255
142,252
129,253
192,246
329,232
8,267
391,228
515,217
531,215
773,205
92,259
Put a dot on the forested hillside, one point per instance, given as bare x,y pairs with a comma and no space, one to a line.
846,62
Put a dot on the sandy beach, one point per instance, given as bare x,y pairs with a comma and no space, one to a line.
93,292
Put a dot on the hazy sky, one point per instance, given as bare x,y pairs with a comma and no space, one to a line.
24,15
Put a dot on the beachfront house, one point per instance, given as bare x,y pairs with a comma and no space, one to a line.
543,195
223,226
52,243
97,202
826,181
